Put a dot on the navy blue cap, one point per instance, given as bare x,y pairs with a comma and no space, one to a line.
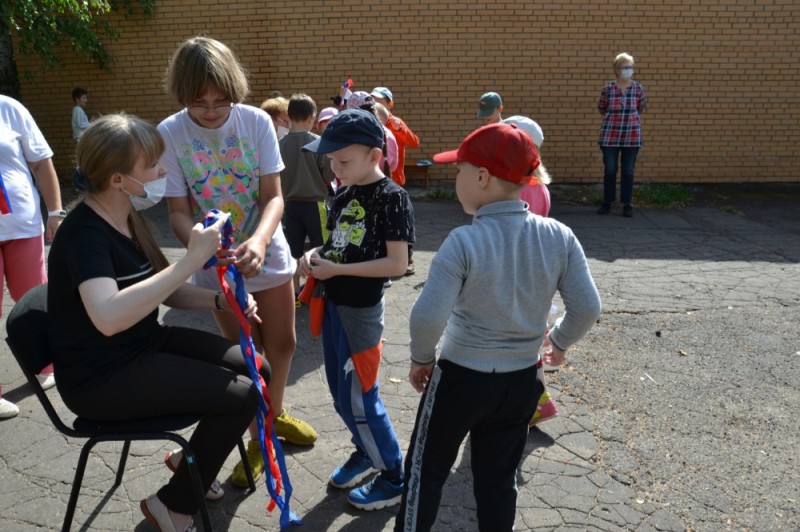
353,126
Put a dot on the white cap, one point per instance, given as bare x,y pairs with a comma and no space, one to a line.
528,126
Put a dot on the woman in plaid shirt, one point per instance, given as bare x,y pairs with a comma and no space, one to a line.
620,103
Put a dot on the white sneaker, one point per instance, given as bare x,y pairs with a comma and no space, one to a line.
47,380
7,409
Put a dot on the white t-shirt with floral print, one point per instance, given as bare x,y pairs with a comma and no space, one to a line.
221,169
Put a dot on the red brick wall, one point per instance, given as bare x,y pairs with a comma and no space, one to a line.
722,76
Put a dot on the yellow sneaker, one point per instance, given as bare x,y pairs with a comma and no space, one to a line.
293,430
239,477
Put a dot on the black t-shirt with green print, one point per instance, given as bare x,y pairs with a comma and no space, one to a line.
363,219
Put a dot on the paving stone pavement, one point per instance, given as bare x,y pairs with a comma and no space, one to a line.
575,474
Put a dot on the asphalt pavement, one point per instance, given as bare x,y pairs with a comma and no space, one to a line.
677,412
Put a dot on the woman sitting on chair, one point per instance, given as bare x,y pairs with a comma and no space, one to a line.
107,280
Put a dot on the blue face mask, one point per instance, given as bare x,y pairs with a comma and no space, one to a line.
153,192
626,73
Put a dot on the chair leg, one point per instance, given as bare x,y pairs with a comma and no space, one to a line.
76,484
247,469
123,459
199,494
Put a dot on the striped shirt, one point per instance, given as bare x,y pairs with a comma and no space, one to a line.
621,125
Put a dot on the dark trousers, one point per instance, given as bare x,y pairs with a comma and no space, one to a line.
611,156
192,372
494,408
303,219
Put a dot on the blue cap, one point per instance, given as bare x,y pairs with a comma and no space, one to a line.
382,92
352,126
489,102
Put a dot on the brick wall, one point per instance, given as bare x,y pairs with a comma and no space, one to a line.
721,76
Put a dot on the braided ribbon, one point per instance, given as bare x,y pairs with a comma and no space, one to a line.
271,450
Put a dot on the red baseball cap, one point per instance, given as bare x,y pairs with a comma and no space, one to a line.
503,149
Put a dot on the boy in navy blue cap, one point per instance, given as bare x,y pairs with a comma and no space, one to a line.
371,225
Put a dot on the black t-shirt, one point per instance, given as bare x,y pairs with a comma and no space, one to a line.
363,219
87,247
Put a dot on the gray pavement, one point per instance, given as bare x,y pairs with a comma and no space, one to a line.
678,411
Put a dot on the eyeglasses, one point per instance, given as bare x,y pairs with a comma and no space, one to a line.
221,108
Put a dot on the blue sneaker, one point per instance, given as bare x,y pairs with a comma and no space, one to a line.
357,468
380,493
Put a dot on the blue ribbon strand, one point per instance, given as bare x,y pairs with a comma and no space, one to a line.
275,473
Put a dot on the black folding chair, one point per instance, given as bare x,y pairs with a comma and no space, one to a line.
27,337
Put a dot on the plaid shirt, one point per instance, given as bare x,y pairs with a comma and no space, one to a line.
621,126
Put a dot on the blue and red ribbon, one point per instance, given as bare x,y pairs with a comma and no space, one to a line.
271,450
5,202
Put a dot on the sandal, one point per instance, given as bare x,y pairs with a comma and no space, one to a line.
157,514
173,459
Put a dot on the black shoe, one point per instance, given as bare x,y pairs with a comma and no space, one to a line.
627,211
605,208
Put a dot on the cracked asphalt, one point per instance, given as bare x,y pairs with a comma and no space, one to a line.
677,411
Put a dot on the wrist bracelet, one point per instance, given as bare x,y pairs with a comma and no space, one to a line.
216,300
61,213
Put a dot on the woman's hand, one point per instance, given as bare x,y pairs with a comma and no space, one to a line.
250,257
419,375
205,241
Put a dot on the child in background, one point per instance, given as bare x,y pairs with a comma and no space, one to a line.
277,107
538,199
79,119
324,117
405,139
223,155
402,133
489,290
362,100
489,108
536,196
304,181
371,224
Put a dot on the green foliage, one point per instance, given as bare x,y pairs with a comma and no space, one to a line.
663,195
42,25
440,194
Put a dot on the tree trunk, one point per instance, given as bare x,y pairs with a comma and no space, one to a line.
9,80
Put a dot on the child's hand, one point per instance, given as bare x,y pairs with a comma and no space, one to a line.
252,309
419,375
553,357
304,263
320,268
250,257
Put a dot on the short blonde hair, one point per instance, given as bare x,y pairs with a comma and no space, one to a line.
624,56
276,106
200,62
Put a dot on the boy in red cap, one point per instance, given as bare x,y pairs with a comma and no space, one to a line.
489,290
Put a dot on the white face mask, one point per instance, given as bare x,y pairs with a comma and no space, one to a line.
154,191
282,132
626,73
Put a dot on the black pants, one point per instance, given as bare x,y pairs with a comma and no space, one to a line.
494,408
192,372
303,219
